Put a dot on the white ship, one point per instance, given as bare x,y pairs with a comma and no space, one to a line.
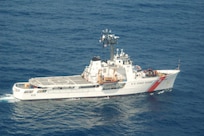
114,77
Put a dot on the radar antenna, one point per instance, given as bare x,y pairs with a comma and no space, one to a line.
108,38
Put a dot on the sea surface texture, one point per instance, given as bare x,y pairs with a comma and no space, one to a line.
59,37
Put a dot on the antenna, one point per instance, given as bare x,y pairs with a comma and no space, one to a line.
107,38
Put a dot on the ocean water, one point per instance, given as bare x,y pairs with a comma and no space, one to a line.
52,38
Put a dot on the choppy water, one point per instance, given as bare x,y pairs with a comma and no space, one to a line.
51,38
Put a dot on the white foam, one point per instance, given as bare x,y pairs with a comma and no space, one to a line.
8,98
151,93
160,92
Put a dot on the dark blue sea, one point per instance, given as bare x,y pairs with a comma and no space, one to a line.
55,38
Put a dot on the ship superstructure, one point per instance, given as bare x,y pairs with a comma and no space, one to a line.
116,76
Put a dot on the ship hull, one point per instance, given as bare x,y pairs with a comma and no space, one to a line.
139,85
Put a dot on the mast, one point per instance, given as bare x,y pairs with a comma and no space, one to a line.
179,64
109,39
